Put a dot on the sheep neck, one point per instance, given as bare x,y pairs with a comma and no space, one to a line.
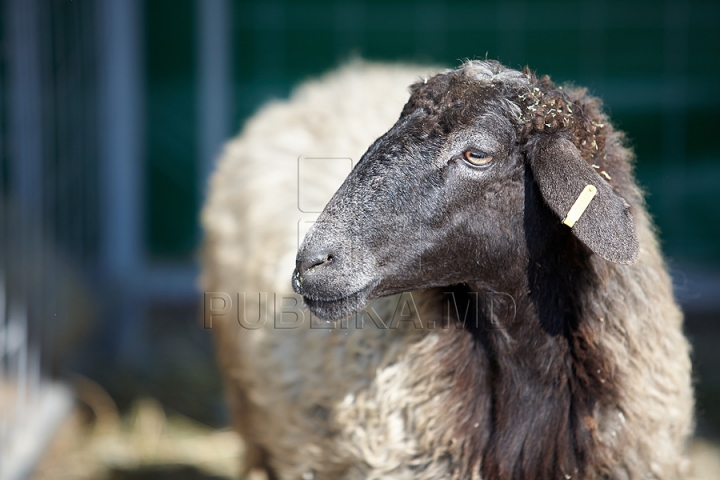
541,372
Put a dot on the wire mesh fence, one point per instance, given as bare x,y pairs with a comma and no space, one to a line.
48,215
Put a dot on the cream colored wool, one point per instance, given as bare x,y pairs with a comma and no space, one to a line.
373,403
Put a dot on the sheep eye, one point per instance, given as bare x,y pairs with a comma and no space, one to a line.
476,158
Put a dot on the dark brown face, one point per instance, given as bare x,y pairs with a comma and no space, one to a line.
433,202
440,199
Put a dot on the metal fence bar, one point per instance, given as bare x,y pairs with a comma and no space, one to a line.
25,198
120,99
214,80
121,126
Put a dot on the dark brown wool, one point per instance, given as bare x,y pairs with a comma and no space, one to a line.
531,403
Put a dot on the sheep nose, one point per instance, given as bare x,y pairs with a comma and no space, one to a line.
313,261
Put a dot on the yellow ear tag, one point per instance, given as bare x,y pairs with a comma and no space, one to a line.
580,205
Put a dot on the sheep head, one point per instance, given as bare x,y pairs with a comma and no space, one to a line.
468,186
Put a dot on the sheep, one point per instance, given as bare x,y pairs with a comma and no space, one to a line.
476,331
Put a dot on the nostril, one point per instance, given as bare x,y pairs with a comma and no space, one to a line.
315,261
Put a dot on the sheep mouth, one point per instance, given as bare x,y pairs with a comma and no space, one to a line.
337,308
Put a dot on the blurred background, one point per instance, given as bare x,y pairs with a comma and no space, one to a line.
113,111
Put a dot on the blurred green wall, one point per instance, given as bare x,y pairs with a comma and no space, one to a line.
656,64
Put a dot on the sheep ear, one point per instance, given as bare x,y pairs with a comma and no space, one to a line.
606,225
